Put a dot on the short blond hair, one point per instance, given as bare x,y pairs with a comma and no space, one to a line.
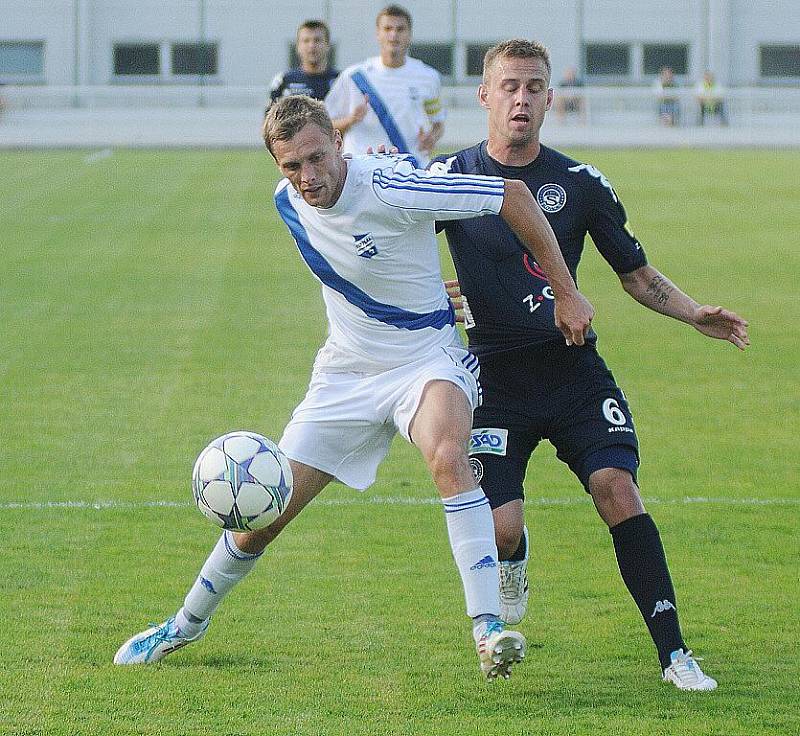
289,115
516,48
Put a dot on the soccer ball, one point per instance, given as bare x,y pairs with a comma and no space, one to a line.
242,481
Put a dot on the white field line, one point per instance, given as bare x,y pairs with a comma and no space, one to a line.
101,505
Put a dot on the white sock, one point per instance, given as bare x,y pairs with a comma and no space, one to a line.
225,566
470,527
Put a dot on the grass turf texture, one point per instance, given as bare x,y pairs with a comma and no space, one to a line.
153,300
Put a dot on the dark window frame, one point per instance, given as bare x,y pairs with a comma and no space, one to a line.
777,48
116,62
593,48
653,69
426,51
24,77
175,47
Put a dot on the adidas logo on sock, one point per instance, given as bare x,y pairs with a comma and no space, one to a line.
208,585
487,561
662,606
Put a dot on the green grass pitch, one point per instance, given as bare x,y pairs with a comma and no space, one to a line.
150,301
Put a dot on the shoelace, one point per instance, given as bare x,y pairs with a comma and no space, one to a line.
513,576
686,666
162,634
491,628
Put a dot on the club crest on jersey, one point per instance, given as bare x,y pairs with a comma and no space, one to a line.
551,197
365,247
488,440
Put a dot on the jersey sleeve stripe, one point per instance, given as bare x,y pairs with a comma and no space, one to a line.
386,313
440,191
450,180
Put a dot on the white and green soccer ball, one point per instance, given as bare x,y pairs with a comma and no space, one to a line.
242,481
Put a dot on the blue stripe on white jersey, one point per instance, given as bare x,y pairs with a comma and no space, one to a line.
384,116
422,176
454,184
385,313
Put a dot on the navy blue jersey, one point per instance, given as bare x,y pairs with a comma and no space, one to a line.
508,300
298,82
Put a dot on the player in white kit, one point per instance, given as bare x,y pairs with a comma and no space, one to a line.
393,360
391,99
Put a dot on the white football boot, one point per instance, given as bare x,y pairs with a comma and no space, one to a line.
155,643
685,673
514,586
498,649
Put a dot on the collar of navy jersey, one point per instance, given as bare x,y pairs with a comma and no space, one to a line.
487,157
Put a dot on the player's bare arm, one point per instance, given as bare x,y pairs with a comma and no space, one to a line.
573,312
427,140
654,290
357,114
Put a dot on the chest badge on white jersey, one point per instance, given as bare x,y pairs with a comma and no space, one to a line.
551,197
365,245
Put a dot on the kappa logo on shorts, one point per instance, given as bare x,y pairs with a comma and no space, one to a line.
551,197
488,440
365,246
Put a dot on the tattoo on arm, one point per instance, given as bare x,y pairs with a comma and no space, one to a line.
660,290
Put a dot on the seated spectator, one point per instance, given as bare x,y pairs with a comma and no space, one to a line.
709,97
570,102
668,103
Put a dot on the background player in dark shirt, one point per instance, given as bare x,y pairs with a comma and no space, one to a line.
314,78
535,386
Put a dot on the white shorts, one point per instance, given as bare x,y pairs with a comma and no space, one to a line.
346,421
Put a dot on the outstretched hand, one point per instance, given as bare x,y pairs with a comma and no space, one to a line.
454,293
721,324
426,140
360,111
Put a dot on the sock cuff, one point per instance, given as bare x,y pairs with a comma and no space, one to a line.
641,525
233,550
465,501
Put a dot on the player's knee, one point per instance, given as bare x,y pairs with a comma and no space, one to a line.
449,466
615,489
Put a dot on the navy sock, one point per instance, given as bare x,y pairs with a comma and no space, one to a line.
520,552
641,560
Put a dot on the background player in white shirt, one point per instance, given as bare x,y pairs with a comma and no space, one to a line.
393,360
390,99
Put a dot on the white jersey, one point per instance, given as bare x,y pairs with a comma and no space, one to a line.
402,100
376,254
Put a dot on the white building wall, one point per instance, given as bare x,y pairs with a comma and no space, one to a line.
756,23
254,35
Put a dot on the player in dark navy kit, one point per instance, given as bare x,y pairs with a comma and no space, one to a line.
534,385
314,78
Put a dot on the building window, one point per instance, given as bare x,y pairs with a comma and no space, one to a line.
437,55
607,59
137,59
21,60
475,54
194,58
658,55
780,61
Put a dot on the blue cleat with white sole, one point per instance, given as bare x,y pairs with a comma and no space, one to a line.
155,643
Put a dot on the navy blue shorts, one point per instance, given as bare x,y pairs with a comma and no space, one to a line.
566,395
